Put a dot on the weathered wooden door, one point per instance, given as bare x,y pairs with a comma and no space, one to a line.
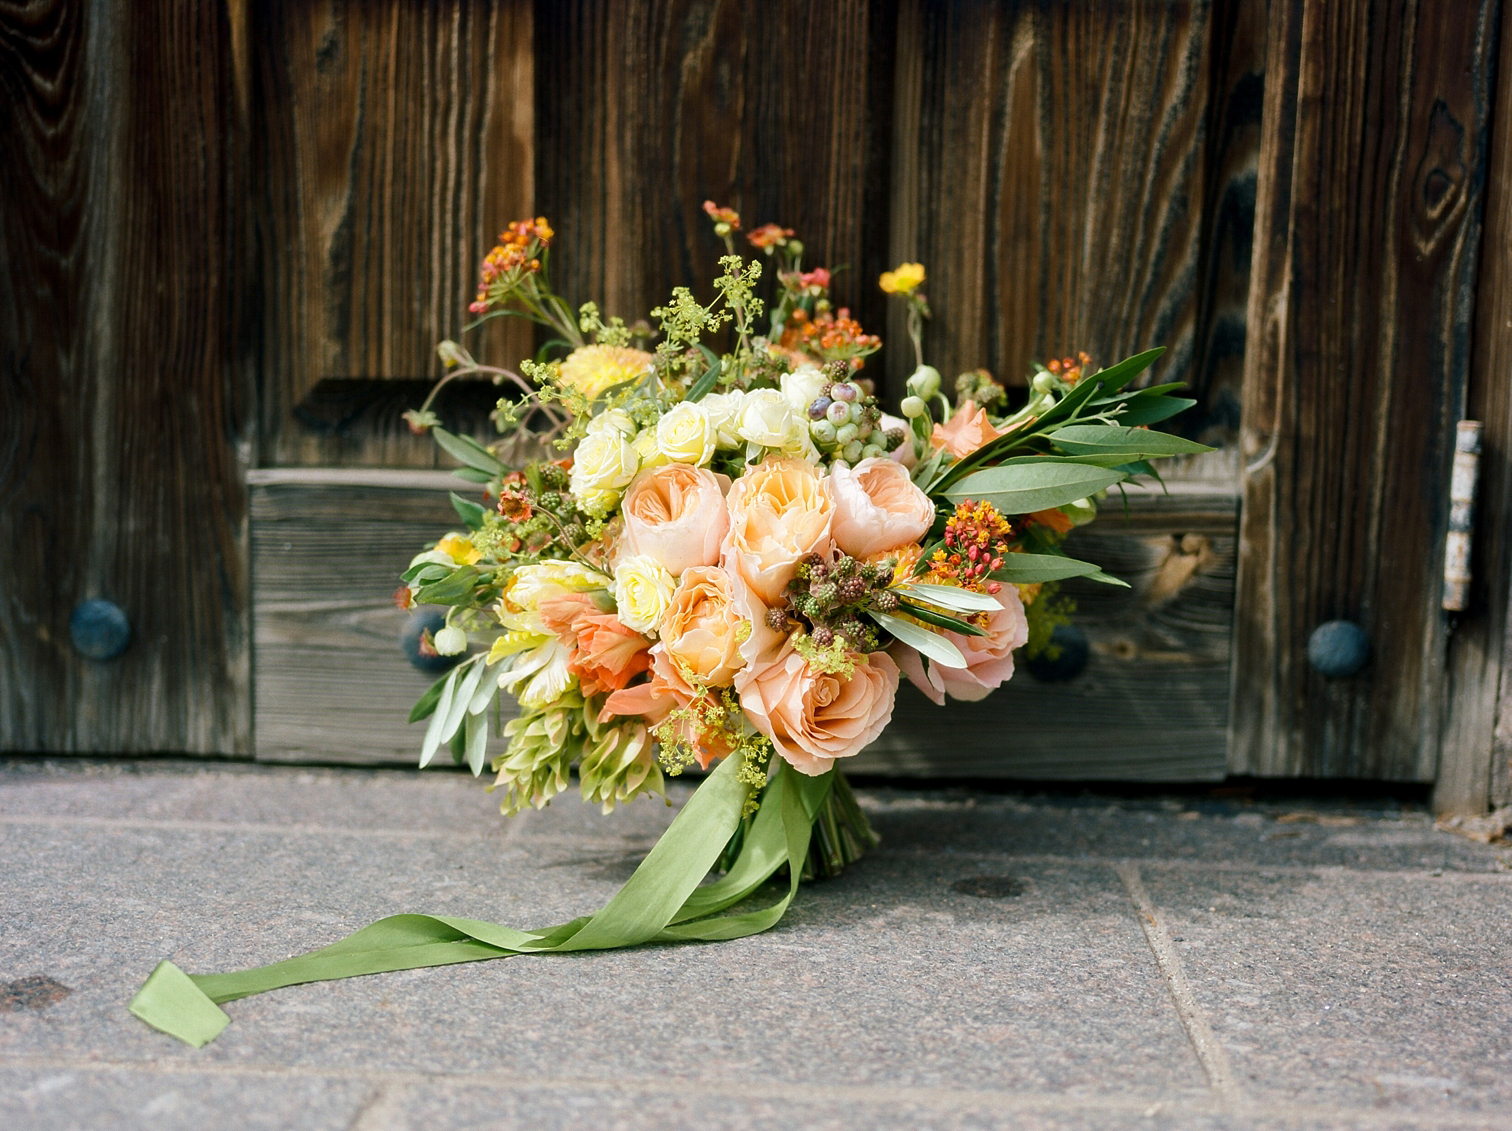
1289,195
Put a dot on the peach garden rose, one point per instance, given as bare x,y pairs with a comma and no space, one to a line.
815,717
877,508
701,631
675,513
780,511
989,659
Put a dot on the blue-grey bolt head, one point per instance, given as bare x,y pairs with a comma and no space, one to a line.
1071,660
1338,648
433,619
99,629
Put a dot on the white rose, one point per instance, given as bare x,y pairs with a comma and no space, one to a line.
767,420
615,419
724,413
686,435
646,448
803,386
642,591
602,468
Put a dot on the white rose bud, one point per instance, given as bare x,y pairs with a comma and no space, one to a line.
925,381
724,412
687,435
642,591
614,419
450,641
767,420
645,447
803,386
914,406
602,468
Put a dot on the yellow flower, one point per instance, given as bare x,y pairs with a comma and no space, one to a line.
903,279
459,549
592,370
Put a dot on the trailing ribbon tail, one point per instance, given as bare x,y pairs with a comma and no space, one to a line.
664,901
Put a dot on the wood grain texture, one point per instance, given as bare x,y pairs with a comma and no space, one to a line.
394,141
1072,175
124,405
646,110
1475,762
1367,231
332,685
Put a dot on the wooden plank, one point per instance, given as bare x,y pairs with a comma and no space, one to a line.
1368,223
1053,171
648,109
332,685
393,142
1475,763
124,414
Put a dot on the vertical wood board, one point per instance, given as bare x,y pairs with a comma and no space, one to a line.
1371,178
123,397
394,141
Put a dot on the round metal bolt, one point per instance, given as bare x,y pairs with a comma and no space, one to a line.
1338,648
99,629
1069,662
420,620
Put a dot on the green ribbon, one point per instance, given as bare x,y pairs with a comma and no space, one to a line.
664,901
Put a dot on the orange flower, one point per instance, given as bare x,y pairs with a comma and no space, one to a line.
608,655
769,236
967,430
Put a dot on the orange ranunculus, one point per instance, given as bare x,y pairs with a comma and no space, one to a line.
877,508
780,511
814,717
967,430
676,514
655,700
608,655
700,629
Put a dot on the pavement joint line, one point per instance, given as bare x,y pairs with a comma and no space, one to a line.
514,834
1210,1053
939,1098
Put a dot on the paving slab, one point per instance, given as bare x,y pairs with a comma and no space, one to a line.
989,966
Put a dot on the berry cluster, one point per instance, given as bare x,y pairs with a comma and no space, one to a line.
536,513
830,594
844,420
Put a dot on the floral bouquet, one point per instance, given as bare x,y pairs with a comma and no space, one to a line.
680,557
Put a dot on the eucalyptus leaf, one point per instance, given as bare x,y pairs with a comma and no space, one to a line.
450,590
1107,579
1155,410
930,615
425,706
475,742
1024,488
1031,569
433,736
1115,377
471,474
951,597
926,643
467,450
483,698
469,512
1132,443
705,384
466,689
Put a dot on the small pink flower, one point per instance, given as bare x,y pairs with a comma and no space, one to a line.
989,659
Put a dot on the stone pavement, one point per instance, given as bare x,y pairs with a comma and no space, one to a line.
1002,961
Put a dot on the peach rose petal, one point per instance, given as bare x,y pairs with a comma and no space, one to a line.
967,430
780,511
877,508
675,513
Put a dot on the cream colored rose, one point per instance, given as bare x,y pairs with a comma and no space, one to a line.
646,448
814,717
779,511
767,420
616,419
602,467
803,386
642,592
686,435
676,514
877,508
701,632
724,414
